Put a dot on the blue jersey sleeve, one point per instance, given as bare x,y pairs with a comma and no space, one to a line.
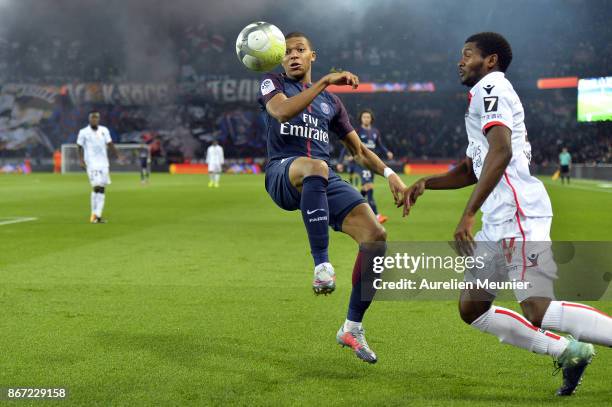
340,123
271,84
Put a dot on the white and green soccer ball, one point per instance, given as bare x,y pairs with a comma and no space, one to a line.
260,46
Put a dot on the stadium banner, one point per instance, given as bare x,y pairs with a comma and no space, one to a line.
509,269
23,167
188,169
428,168
127,94
23,107
226,90
234,168
370,87
244,168
558,83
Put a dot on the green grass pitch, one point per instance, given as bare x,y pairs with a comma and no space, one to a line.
198,296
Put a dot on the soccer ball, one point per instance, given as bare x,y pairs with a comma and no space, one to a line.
260,46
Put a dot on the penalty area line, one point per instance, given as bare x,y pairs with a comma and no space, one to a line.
10,221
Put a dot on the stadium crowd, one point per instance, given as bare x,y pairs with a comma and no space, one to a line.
414,125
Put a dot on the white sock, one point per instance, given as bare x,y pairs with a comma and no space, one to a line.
94,202
585,323
513,329
351,325
100,204
217,178
211,177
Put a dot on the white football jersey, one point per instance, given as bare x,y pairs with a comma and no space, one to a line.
493,101
94,143
214,155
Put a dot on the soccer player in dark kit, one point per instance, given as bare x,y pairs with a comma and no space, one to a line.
299,116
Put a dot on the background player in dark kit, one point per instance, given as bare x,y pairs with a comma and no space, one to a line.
371,137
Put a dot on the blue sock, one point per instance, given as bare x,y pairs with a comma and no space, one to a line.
371,201
315,212
363,290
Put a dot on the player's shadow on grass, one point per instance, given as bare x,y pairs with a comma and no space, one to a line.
181,348
239,355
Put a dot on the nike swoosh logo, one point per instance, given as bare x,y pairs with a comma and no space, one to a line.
313,211
283,160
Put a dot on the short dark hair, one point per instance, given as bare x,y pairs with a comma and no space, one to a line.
493,43
94,111
366,111
298,34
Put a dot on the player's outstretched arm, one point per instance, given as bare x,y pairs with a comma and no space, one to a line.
283,108
366,158
462,175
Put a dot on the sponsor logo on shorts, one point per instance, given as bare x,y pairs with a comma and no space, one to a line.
533,259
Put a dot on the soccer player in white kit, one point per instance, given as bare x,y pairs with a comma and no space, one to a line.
214,159
93,142
516,209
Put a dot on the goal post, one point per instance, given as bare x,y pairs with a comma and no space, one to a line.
130,153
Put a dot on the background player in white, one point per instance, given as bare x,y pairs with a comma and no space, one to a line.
214,159
515,207
93,142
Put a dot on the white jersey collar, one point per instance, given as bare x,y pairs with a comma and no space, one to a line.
491,75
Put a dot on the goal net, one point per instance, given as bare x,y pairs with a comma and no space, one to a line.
130,153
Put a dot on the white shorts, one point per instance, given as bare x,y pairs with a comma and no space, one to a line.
509,258
99,177
214,168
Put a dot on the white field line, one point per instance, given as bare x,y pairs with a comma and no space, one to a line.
10,221
591,187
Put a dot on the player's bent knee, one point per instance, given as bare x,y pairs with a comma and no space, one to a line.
470,311
380,234
377,233
534,310
534,318
316,167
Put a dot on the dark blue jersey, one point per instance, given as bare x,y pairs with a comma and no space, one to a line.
307,134
371,138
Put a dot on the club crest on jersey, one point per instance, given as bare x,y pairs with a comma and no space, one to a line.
325,108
